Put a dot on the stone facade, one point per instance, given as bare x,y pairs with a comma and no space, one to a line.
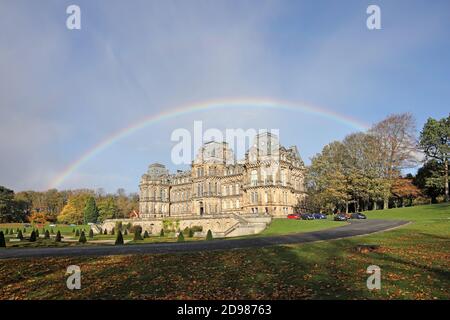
269,181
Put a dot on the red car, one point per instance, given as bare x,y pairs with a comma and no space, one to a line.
294,216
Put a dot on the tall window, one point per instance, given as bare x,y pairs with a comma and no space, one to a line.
283,178
254,178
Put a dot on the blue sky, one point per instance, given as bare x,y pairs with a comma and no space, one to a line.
63,91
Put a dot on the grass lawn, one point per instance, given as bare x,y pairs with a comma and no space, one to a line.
414,261
286,226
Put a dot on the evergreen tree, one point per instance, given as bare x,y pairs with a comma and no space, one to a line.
90,211
33,236
47,234
82,238
52,231
73,230
7,231
146,234
113,231
24,230
17,230
209,235
77,233
105,231
91,234
191,233
161,234
37,234
125,232
2,240
58,236
119,239
137,235
180,237
20,235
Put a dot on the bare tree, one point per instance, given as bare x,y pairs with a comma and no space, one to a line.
397,138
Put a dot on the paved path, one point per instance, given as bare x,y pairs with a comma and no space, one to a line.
355,228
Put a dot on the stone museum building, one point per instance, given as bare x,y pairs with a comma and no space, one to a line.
269,181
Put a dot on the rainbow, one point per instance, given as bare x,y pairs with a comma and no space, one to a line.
257,103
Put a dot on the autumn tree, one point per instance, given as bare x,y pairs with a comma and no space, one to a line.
402,189
435,143
398,146
73,211
108,208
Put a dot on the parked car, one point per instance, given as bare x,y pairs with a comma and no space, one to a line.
358,215
307,216
319,216
340,217
293,216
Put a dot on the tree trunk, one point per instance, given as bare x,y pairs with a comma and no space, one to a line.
386,203
346,206
446,179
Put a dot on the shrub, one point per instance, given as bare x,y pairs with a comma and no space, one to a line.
113,231
100,231
180,237
37,234
197,228
146,235
161,234
2,240
191,233
119,239
73,230
77,233
52,231
91,233
17,230
135,228
105,231
24,230
20,235
33,236
7,231
58,236
118,226
209,235
82,238
186,230
47,234
137,235
125,232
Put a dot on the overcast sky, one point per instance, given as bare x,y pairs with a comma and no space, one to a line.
64,91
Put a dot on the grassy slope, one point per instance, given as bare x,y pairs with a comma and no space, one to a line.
413,260
286,226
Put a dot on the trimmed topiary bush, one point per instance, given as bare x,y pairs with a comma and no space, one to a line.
20,235
209,235
180,237
24,230
33,236
125,232
37,233
91,234
77,233
146,235
73,230
113,231
82,237
191,233
161,234
52,231
47,234
137,235
58,236
119,239
105,232
2,240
